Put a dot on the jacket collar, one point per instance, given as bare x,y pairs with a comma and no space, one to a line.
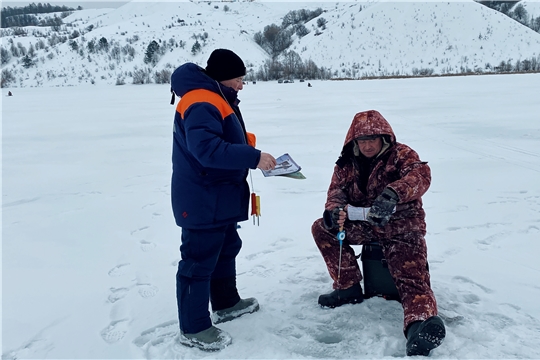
230,94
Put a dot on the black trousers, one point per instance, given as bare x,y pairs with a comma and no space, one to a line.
207,270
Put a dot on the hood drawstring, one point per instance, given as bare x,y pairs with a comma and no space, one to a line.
172,98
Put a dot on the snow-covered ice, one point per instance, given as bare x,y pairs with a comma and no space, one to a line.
90,248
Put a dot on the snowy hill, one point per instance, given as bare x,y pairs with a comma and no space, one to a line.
396,37
357,39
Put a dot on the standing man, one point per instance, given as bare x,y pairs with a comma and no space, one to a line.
212,155
375,171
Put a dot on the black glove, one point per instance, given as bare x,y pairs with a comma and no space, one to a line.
382,208
330,218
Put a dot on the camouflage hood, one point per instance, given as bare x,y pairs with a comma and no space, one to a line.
368,123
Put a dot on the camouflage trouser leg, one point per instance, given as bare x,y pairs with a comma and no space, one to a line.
406,256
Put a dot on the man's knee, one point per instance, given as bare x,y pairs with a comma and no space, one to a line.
193,269
318,229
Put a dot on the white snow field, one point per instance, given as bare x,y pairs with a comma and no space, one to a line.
90,248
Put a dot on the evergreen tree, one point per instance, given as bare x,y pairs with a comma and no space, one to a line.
151,56
74,46
27,61
91,46
321,22
5,55
7,78
195,48
103,44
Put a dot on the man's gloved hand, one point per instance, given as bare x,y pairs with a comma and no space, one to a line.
382,208
330,218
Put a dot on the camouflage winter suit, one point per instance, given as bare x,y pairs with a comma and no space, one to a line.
402,239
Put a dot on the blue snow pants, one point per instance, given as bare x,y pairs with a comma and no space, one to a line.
206,255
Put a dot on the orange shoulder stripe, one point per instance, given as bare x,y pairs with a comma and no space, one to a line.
207,96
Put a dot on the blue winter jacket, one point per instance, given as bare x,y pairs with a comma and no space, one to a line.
211,157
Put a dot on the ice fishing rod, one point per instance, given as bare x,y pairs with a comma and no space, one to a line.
340,236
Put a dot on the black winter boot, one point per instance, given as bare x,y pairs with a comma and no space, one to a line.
424,336
352,295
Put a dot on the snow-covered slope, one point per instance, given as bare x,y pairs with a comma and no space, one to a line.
82,17
396,37
359,39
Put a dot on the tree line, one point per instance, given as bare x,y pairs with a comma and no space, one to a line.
26,15
288,66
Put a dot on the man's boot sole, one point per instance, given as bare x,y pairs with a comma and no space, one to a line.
430,336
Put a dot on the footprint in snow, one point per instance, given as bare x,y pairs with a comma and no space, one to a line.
258,254
470,298
144,290
329,338
161,342
115,331
261,271
147,246
482,243
147,290
140,229
276,245
117,294
499,321
119,325
119,270
466,280
451,320
145,287
281,243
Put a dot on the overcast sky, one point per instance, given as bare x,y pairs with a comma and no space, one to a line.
69,3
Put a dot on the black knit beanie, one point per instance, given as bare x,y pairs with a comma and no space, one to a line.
223,64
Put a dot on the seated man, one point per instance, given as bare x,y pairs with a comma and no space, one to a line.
375,171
